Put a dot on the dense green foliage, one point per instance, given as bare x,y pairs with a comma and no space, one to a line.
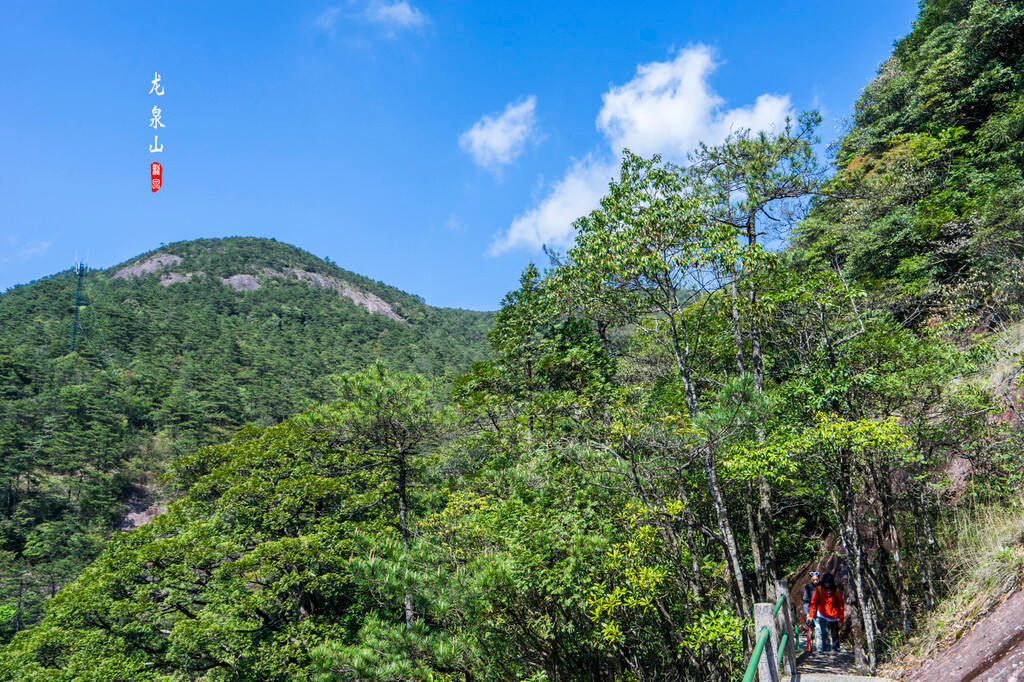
928,205
671,418
160,370
588,503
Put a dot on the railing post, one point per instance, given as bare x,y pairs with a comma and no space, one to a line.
767,666
788,626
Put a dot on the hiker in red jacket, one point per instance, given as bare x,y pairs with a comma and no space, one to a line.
827,606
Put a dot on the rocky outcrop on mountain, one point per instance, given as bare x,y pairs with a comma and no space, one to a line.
371,302
253,281
242,282
148,266
992,650
177,278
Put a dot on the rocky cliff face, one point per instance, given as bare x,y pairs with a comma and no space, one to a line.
168,264
992,650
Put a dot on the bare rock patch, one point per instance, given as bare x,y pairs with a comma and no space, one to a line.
242,282
176,278
148,266
372,302
993,650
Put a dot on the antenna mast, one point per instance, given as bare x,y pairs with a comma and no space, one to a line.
80,271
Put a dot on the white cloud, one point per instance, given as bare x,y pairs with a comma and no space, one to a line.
328,19
392,16
496,140
17,249
396,14
454,224
36,247
550,222
667,108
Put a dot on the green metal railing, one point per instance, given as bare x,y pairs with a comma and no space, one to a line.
762,638
782,647
785,636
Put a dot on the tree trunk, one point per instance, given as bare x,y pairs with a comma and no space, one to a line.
925,541
867,609
885,504
710,473
850,533
725,528
758,584
403,523
765,523
737,331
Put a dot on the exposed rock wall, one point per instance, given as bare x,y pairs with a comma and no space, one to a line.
253,282
992,650
242,282
371,302
177,278
148,266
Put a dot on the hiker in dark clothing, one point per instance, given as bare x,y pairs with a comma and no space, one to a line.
812,623
827,608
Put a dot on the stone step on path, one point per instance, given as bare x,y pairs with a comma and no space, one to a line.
823,677
831,666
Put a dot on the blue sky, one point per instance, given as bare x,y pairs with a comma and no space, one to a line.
431,145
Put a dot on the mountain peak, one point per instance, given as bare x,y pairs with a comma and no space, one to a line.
246,264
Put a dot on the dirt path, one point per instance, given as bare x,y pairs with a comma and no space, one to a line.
993,650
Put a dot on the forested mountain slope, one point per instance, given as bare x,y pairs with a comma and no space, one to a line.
927,207
174,349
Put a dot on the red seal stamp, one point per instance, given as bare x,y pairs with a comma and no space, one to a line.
156,175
